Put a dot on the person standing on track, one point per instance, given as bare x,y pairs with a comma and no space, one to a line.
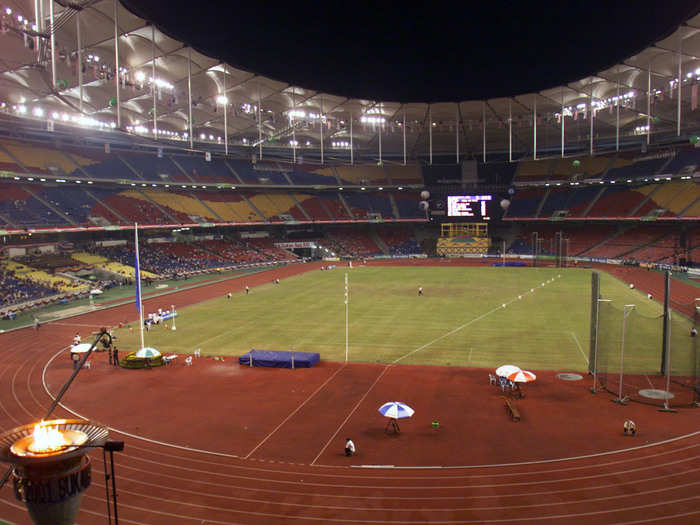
349,447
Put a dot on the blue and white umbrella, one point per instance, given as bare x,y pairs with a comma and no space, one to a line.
396,410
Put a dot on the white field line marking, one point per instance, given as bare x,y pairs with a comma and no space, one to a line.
649,381
386,367
573,334
295,410
453,331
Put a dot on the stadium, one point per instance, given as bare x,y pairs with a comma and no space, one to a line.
214,274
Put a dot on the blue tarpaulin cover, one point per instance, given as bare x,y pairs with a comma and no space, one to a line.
280,358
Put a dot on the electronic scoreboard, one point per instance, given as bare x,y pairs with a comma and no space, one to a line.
470,206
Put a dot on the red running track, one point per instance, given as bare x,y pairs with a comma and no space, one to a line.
234,456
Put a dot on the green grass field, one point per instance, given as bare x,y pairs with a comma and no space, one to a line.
459,320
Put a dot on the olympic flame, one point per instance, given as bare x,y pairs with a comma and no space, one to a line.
47,437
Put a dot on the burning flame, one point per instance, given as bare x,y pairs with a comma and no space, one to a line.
47,437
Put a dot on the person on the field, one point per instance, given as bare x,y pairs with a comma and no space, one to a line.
349,447
420,290
246,289
115,356
228,295
630,428
76,339
36,324
693,332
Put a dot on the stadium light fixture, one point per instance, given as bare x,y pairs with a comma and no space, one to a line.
38,112
341,189
21,109
140,76
400,187
222,99
42,180
78,182
30,178
89,182
133,184
16,178
380,188
8,11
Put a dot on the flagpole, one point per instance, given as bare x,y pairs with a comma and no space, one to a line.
137,275
346,316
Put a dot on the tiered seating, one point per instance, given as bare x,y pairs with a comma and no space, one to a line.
399,241
674,196
71,201
110,168
268,251
664,248
22,208
362,174
684,161
405,174
353,243
229,206
40,277
563,198
525,202
312,205
14,290
39,158
182,206
625,168
311,178
533,170
407,203
616,202
231,250
121,268
245,171
589,167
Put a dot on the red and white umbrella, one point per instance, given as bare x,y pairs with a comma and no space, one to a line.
506,370
522,376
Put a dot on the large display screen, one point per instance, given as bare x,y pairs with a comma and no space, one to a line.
468,206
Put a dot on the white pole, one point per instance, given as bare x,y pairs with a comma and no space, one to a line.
626,311
172,309
430,132
534,128
347,298
153,83
225,115
137,275
504,253
352,146
483,130
595,359
189,96
53,47
404,136
80,60
457,131
116,67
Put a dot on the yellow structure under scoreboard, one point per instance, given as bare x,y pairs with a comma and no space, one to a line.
463,239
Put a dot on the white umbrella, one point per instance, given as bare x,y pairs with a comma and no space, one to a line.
396,410
522,376
506,370
95,291
147,352
80,348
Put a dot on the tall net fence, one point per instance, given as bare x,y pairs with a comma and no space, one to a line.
633,363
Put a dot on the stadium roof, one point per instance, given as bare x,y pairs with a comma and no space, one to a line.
228,97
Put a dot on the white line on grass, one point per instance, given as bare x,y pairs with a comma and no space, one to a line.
351,412
295,411
461,327
573,334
